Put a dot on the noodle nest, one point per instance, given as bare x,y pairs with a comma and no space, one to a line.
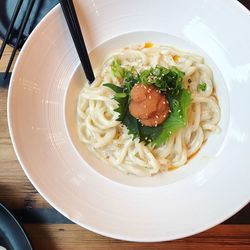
108,138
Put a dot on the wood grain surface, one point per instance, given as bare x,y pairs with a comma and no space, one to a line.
47,229
60,236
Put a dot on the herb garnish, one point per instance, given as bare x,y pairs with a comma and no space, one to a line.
202,86
170,82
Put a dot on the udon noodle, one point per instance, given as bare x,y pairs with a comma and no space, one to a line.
108,138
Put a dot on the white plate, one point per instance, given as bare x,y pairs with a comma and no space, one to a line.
214,185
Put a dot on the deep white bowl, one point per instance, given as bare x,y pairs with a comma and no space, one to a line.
41,115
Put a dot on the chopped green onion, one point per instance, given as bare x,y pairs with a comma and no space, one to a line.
120,95
202,86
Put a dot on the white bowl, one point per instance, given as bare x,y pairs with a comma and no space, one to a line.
41,113
207,154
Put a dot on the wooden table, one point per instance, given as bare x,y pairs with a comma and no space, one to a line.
47,229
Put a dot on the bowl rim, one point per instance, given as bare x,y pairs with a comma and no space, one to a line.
55,11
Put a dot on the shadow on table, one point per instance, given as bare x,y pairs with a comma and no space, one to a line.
41,236
37,233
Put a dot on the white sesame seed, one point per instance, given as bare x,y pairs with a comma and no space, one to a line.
164,102
155,125
150,97
164,116
157,116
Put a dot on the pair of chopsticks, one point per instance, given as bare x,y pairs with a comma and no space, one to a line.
76,34
20,33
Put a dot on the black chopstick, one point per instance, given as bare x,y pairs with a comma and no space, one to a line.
23,24
81,39
76,34
12,21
